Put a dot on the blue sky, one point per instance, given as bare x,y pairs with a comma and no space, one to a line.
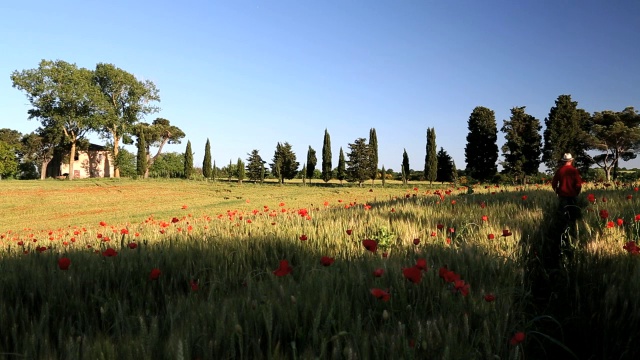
250,73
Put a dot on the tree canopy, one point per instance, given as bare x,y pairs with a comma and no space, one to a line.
481,152
284,165
358,165
62,97
125,100
523,145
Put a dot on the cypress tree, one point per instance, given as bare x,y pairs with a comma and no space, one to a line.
523,145
431,159
214,171
481,151
373,154
141,161
359,168
565,133
445,164
326,157
312,160
384,175
240,170
188,161
206,163
341,172
405,167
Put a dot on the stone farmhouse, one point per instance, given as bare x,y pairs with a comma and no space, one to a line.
94,162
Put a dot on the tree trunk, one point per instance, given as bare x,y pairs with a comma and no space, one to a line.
116,167
72,156
43,169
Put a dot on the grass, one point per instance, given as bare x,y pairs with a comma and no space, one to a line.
217,295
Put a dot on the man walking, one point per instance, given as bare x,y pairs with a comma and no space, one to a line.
567,184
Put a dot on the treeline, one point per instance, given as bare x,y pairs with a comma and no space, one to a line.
71,102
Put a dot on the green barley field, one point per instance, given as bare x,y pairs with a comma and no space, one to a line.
176,269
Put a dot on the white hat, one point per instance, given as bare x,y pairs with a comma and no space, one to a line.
567,157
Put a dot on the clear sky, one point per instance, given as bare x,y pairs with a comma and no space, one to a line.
248,74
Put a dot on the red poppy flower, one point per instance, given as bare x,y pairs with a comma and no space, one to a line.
517,338
132,245
378,272
421,264
370,245
491,236
155,274
326,261
620,222
109,252
283,269
485,218
448,275
591,198
461,286
281,204
184,207
385,254
451,230
303,237
380,294
604,214
413,274
416,241
440,226
489,297
524,197
194,285
175,220
629,197
124,232
632,248
448,241
506,232
637,218
102,223
604,199
610,224
453,202
483,205
433,233
63,263
349,231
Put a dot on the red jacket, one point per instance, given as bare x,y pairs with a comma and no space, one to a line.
567,181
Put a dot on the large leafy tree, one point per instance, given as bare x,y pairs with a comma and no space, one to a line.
617,136
206,163
64,97
188,161
39,147
523,145
312,160
341,171
255,166
284,165
359,163
8,161
12,144
159,133
431,161
406,171
445,167
326,157
481,152
373,155
169,165
566,131
125,101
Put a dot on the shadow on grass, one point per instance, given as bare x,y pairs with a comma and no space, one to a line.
584,303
